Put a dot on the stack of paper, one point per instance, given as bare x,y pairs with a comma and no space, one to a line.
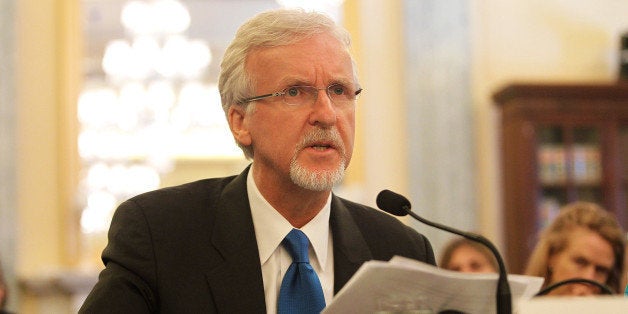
404,284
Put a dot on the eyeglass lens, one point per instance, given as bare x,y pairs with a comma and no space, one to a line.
299,95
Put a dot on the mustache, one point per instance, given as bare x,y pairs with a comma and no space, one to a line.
329,137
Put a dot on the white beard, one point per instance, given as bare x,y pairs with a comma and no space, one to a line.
318,180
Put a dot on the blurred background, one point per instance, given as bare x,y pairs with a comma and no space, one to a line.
104,99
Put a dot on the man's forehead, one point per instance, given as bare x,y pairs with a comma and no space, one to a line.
298,64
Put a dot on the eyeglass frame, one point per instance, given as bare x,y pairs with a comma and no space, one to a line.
284,93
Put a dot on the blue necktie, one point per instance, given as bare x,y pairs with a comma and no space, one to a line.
301,291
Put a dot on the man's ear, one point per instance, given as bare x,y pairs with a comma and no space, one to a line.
238,123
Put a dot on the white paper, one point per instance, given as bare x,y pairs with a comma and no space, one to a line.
379,284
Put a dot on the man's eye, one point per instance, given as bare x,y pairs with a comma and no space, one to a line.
337,89
292,91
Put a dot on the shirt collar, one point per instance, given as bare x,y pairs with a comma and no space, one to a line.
271,227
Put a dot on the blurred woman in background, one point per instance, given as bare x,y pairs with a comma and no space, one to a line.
468,256
584,241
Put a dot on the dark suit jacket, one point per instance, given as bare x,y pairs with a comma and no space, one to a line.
192,249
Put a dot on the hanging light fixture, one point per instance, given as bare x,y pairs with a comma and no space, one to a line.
152,107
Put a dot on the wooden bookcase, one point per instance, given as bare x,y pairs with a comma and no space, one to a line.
559,143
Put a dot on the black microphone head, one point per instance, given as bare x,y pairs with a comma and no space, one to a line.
393,203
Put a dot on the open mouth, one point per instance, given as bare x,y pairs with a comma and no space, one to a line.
321,147
322,141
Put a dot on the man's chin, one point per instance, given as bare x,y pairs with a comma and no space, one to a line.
316,178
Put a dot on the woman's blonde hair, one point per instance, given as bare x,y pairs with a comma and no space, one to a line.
454,244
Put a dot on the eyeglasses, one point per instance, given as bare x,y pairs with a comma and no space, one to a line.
339,94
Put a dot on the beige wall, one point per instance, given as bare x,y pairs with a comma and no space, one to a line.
382,107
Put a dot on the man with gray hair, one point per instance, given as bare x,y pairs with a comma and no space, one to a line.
275,238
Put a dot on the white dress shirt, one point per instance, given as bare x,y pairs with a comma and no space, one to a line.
271,228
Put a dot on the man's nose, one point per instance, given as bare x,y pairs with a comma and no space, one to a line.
323,110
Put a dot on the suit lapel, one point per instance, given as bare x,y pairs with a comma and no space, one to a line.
350,249
238,272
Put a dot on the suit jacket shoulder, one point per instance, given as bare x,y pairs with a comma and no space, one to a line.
183,249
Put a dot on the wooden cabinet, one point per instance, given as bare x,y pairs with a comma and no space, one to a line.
559,143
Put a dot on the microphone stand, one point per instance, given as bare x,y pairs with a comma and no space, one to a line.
504,301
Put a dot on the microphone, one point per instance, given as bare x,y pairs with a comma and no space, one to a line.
398,205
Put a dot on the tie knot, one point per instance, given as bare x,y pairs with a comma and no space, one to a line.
297,243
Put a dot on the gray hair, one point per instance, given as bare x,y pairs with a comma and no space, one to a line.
268,29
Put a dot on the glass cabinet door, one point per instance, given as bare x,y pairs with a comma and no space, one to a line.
586,164
551,172
569,168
